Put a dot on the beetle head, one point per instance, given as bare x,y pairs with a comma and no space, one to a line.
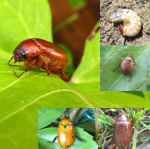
19,55
129,57
122,117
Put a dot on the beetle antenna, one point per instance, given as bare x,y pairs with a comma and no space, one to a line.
10,64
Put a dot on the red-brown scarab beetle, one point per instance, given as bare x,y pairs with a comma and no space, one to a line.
123,131
42,54
65,134
126,65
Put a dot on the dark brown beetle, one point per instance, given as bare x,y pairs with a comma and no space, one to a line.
42,54
126,65
123,131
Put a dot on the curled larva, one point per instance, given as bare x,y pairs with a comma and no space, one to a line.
131,22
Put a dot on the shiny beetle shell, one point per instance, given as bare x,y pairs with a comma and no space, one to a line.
42,54
126,65
123,131
65,133
131,22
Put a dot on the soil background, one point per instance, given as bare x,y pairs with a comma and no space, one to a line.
109,32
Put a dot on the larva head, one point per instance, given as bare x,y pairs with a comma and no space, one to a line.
117,16
121,29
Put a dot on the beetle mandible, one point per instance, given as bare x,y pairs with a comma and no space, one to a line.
42,54
65,134
126,65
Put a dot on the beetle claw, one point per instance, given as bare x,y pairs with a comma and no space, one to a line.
15,74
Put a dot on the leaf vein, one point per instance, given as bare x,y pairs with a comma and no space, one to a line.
15,112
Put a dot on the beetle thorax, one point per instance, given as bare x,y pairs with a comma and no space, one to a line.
129,59
122,118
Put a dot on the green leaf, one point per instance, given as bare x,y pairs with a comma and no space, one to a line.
115,81
104,120
148,78
48,115
21,97
48,134
106,52
147,95
20,20
139,114
77,4
88,70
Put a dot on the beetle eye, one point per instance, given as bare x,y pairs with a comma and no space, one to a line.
23,55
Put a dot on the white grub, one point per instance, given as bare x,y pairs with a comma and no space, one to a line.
131,22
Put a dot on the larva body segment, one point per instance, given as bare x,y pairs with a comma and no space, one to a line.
131,22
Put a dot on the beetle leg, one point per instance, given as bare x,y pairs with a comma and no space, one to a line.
117,66
54,139
79,138
55,68
113,141
25,70
112,127
10,64
134,126
63,74
10,60
26,62
130,77
47,68
114,118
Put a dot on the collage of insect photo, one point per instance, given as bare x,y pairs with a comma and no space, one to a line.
125,70
74,74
